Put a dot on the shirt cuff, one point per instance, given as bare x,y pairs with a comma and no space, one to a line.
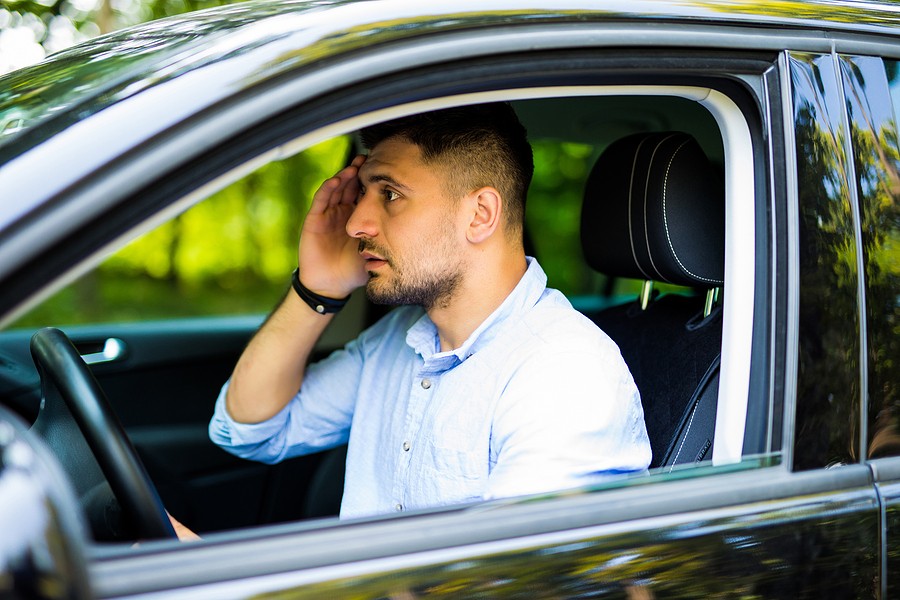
225,431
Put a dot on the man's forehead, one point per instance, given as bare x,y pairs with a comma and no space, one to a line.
391,160
394,151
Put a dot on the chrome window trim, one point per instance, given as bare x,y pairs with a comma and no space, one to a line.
792,320
773,261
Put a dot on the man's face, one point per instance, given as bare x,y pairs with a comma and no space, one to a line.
410,234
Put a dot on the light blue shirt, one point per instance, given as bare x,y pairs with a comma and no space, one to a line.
537,399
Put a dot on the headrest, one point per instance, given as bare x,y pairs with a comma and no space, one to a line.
654,208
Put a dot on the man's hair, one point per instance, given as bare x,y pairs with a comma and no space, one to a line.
475,146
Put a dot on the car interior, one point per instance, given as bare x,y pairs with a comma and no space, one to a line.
628,215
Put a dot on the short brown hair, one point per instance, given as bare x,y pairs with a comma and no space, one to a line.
479,145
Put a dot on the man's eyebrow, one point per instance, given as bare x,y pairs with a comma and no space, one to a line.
382,178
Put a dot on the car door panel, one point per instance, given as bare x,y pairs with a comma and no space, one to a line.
769,534
163,388
888,471
876,160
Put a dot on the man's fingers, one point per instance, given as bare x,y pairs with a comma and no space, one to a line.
322,199
351,188
350,191
342,188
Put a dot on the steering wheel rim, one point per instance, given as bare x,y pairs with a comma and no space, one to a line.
61,367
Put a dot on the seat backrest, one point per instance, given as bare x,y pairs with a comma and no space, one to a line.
654,209
693,440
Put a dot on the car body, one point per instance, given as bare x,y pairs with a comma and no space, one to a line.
793,104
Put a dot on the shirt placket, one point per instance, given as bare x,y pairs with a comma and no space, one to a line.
421,391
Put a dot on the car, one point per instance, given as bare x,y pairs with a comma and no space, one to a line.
716,186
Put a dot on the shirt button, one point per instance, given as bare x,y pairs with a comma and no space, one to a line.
406,446
426,383
399,507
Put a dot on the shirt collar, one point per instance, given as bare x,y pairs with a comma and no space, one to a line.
423,337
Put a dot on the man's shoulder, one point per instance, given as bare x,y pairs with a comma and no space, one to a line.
554,318
553,327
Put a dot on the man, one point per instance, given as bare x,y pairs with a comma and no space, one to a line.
483,384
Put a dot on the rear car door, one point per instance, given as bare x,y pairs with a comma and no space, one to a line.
872,89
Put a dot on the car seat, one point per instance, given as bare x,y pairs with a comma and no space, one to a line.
654,209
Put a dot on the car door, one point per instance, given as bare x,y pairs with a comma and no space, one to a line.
785,509
794,516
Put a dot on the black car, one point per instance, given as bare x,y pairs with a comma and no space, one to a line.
717,187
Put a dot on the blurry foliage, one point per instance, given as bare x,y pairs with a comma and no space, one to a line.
554,211
31,29
231,254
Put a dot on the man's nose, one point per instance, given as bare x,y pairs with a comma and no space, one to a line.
362,220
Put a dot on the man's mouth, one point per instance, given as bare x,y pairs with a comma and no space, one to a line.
373,260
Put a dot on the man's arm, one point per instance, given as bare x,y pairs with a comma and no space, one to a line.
271,369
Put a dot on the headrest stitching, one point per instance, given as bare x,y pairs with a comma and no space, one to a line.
659,275
630,195
666,220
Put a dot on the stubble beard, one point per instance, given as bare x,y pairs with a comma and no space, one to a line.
429,285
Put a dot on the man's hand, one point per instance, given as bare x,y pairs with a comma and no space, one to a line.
184,534
272,367
329,259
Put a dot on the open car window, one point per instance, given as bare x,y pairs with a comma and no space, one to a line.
213,271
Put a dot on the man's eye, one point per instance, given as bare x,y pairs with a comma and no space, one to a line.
390,195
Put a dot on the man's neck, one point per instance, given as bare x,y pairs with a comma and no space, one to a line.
481,292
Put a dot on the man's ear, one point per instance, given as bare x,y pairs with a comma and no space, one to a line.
487,210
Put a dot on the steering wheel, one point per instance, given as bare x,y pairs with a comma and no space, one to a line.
81,428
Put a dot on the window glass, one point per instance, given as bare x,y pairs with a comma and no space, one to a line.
880,209
828,395
229,255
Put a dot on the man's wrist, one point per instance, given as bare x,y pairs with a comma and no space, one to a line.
321,304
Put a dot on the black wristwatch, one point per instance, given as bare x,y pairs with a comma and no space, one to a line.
321,304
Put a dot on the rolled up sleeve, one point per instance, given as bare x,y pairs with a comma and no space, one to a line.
317,418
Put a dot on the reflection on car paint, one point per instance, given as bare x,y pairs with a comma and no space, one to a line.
876,161
819,546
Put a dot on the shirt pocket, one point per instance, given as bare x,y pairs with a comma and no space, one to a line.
448,476
456,464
